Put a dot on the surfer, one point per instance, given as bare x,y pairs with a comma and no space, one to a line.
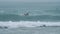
44,25
26,14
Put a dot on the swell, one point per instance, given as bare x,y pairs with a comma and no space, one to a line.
12,17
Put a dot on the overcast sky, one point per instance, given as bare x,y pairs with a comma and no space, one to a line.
30,0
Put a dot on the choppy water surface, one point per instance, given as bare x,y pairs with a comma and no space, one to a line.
31,30
43,18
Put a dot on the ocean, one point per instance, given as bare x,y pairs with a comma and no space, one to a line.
42,18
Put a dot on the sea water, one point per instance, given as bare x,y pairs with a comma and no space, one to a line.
43,18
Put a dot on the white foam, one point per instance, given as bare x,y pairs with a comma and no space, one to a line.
28,24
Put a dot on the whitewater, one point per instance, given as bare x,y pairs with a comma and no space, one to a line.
11,24
29,27
43,18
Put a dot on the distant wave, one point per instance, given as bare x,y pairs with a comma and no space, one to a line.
11,24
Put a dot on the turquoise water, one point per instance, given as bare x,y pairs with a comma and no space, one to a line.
12,17
37,11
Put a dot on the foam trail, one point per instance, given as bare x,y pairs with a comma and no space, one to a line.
28,24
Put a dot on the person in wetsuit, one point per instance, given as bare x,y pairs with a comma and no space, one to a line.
26,14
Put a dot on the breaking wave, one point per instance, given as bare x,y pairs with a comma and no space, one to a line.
11,24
